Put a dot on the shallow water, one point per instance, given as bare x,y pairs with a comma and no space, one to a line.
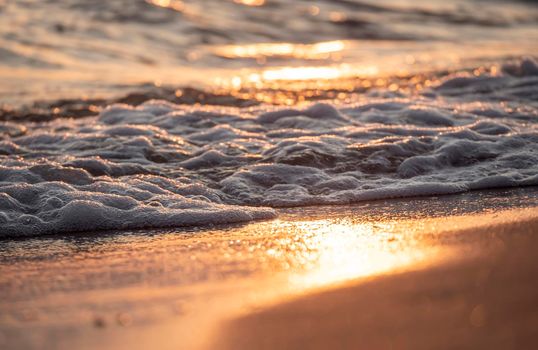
76,48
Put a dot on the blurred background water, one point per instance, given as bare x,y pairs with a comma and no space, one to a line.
51,49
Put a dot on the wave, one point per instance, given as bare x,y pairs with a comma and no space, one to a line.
161,164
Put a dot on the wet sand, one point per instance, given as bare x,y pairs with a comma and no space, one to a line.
489,301
438,272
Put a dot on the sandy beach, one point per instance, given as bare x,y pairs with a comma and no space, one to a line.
482,302
268,174
453,272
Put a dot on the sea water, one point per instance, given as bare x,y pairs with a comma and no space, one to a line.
161,164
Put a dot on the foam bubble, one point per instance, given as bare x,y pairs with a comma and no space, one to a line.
161,164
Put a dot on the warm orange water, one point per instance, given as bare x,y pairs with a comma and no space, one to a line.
88,50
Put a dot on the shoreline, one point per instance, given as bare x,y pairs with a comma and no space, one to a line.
188,287
487,195
268,174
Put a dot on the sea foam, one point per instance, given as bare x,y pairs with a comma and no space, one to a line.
160,164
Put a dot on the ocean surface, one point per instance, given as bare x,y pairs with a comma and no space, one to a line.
132,114
52,49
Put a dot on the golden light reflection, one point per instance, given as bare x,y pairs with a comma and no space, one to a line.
337,16
301,51
313,10
298,73
297,85
176,5
250,2
333,251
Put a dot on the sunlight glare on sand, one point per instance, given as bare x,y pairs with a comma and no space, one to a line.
334,251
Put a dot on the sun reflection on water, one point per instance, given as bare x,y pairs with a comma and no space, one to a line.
291,85
250,2
176,5
311,73
300,51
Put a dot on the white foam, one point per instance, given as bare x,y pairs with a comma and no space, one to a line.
35,204
162,165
